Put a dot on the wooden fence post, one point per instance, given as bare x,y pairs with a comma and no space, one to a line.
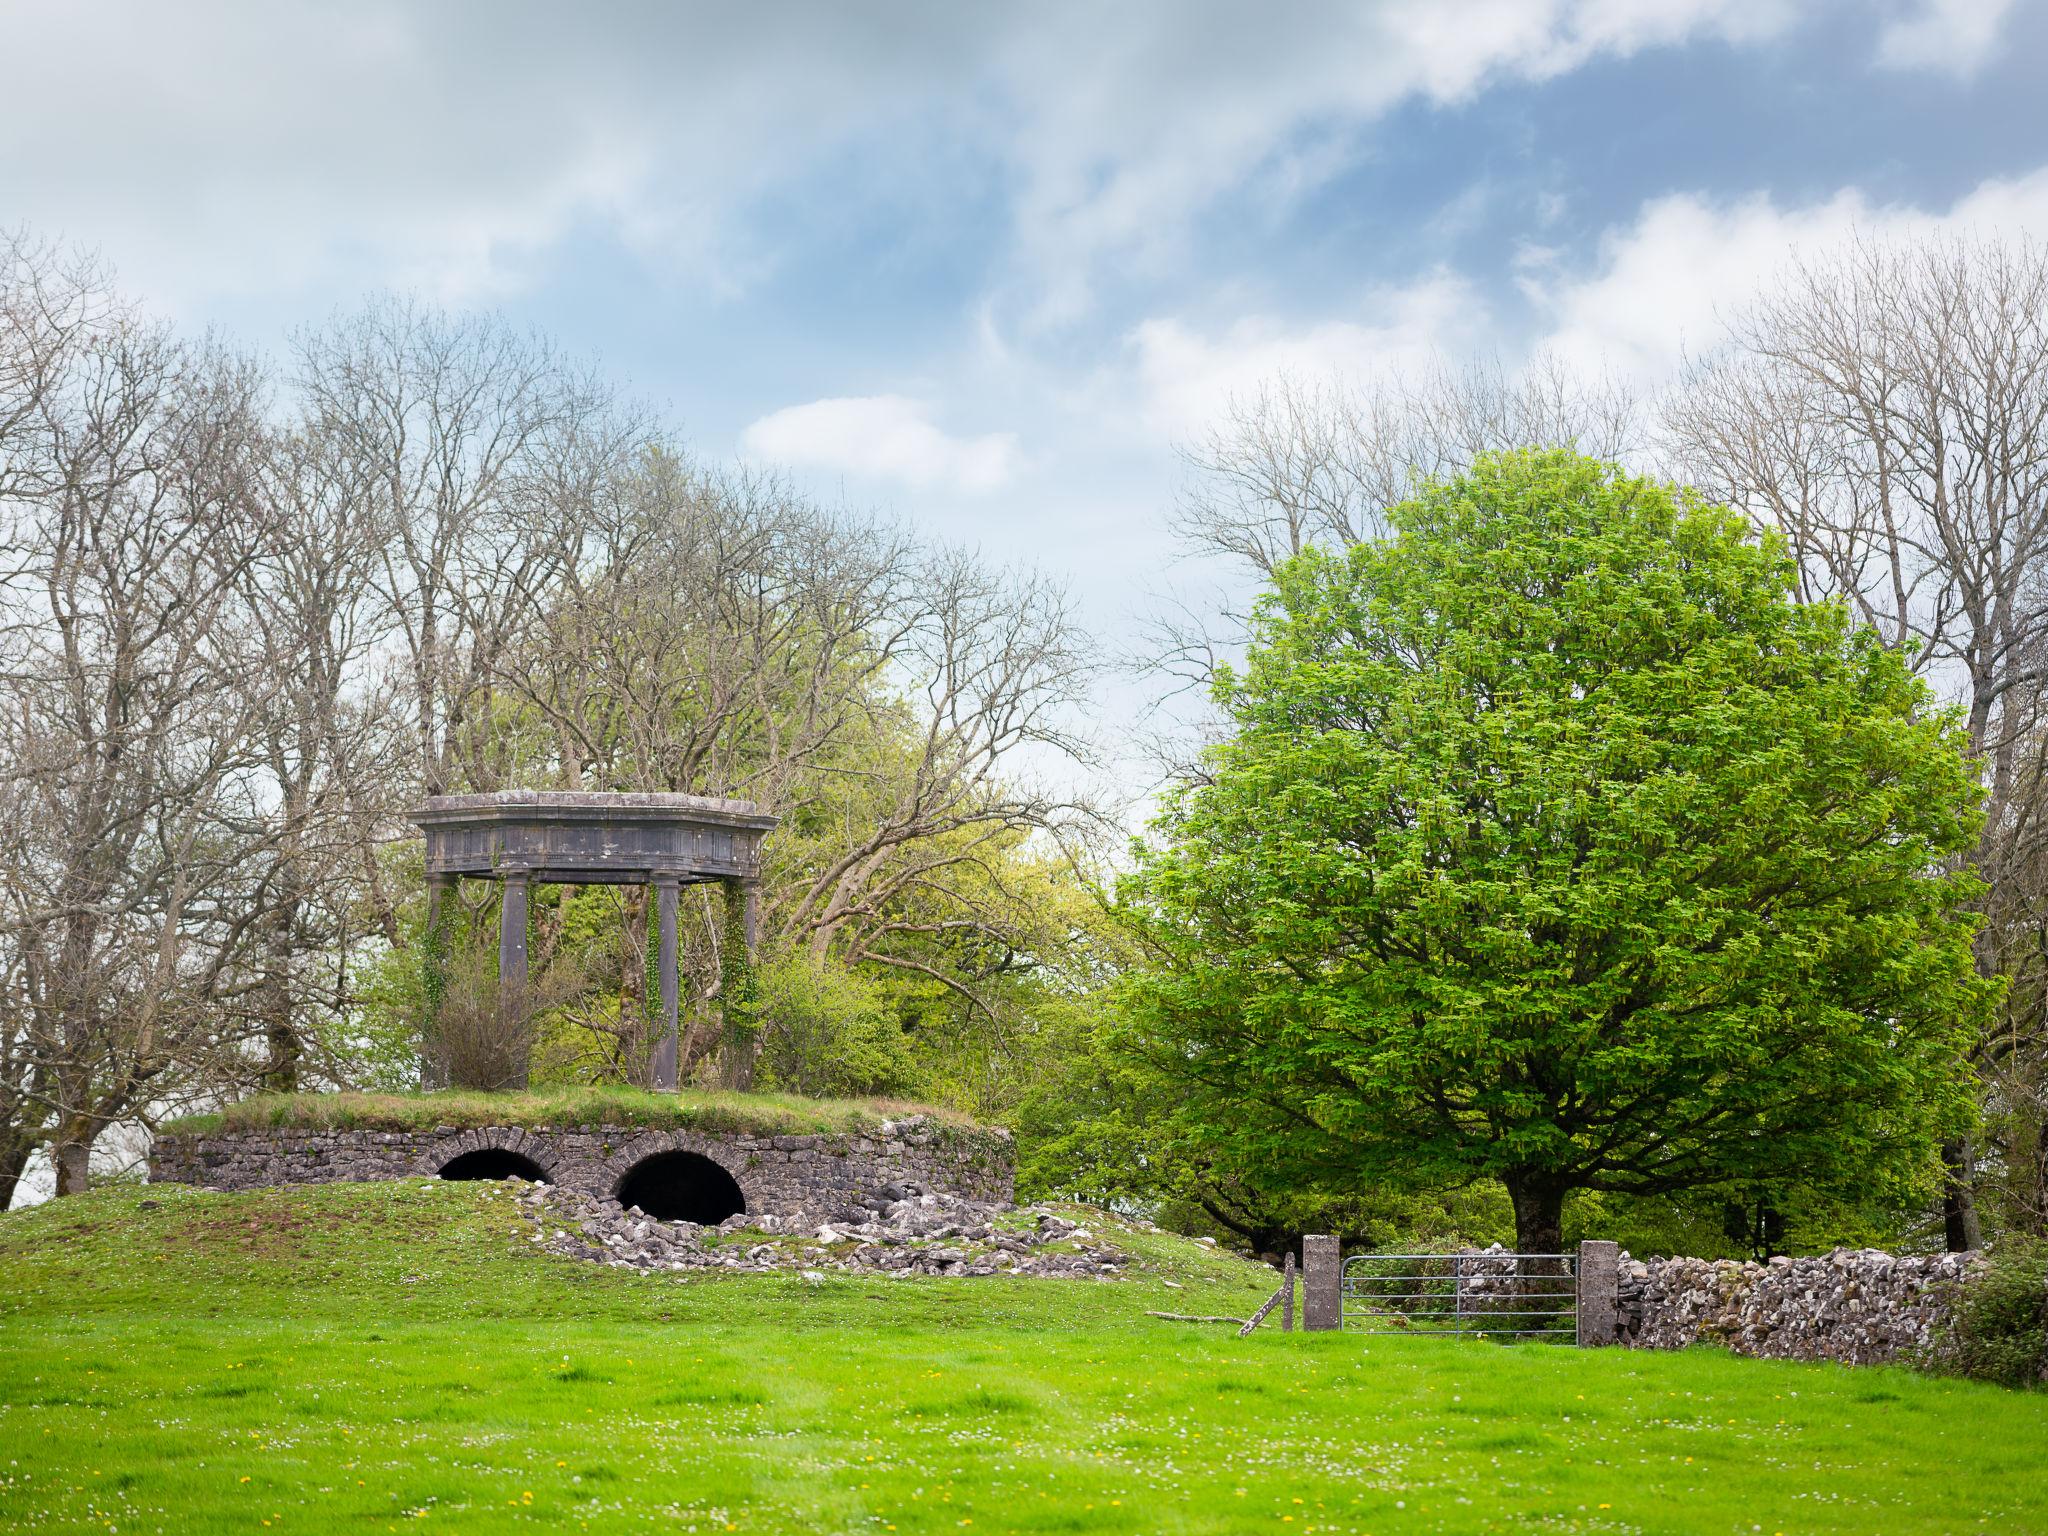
1287,1296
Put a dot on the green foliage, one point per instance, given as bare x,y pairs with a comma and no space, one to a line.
1741,1223
1556,843
376,1045
2001,1318
1102,1125
1092,1125
399,987
736,983
365,1353
827,1030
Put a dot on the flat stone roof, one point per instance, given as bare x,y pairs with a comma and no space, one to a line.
585,837
588,805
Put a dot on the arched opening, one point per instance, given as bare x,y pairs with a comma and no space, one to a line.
682,1186
494,1163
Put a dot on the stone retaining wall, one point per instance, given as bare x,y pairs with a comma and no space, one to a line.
1858,1306
817,1176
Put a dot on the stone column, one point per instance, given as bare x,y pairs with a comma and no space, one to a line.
439,889
512,943
1322,1304
434,968
668,1043
1599,1293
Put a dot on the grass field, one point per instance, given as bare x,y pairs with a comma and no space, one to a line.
693,1109
388,1357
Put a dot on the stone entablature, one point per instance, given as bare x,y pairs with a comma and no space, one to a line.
816,1175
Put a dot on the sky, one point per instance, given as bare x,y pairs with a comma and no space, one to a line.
988,267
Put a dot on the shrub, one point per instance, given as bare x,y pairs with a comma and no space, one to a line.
472,1040
2001,1318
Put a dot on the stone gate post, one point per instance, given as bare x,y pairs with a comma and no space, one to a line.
1599,1293
1322,1263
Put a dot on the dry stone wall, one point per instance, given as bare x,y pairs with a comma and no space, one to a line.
924,1234
812,1177
1857,1306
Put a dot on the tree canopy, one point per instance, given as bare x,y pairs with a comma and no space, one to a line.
1556,843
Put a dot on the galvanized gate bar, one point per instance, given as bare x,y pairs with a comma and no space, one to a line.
1488,1294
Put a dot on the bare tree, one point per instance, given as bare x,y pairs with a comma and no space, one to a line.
996,663
47,303
333,768
1301,462
478,453
130,693
1886,409
51,303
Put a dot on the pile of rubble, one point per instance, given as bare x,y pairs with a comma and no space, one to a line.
906,1230
1858,1306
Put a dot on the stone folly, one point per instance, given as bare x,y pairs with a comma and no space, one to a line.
1856,1306
664,842
694,1176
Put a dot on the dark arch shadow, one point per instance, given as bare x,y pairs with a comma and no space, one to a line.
494,1163
682,1186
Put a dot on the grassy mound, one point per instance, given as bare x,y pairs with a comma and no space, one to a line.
772,1114
352,1357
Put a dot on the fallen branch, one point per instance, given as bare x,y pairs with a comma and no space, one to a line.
1259,1316
1188,1317
1285,1293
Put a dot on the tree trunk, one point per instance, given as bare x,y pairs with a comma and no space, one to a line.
1958,1204
14,1154
281,1071
1539,1214
72,1154
286,1049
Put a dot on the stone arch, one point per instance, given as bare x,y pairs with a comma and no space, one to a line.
494,1163
678,1177
495,1154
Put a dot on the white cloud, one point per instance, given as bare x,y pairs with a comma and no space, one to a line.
1185,378
1665,284
221,148
1121,143
1655,289
1954,37
882,437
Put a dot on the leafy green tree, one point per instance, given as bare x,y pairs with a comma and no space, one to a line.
1557,844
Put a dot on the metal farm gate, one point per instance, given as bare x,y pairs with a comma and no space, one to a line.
1491,1294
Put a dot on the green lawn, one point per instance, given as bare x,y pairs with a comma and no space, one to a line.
351,1358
